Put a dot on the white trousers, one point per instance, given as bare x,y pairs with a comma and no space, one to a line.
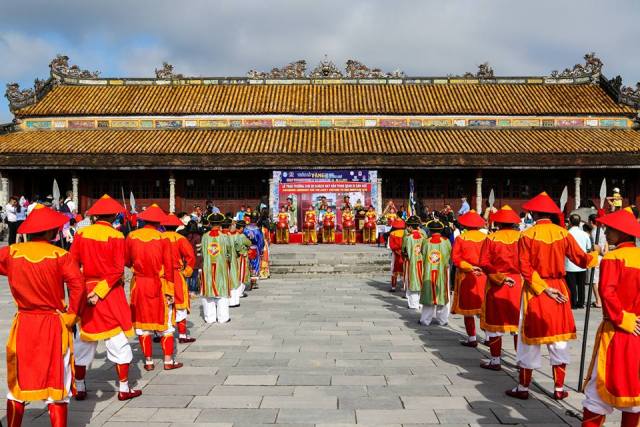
441,313
413,299
530,356
494,334
181,315
236,294
169,331
595,404
67,381
215,309
118,350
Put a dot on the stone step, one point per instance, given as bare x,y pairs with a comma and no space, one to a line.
330,261
328,269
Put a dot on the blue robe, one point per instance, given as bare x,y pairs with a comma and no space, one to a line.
254,233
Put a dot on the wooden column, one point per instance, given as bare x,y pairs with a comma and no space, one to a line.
172,193
479,192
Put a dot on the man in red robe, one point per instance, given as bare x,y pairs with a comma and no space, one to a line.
499,260
184,259
100,250
546,316
470,281
150,257
613,381
396,237
39,364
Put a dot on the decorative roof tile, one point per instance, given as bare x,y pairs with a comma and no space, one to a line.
465,98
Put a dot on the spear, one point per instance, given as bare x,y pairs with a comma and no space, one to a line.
492,198
55,193
592,273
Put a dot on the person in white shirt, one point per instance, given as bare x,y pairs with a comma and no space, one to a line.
576,276
11,211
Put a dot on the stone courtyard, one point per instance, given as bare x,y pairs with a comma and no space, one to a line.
317,350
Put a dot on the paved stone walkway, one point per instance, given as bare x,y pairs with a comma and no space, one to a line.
318,352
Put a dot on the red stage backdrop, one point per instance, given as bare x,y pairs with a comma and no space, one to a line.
306,188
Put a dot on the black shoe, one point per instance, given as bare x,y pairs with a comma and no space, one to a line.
244,295
234,306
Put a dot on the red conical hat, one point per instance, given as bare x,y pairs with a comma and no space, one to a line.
542,203
505,215
172,221
42,219
471,220
622,220
105,205
153,214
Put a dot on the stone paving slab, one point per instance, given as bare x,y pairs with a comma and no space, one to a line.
315,352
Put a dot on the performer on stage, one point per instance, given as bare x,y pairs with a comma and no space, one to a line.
241,245
149,255
282,227
412,251
291,209
434,295
346,204
254,234
215,272
329,227
499,259
359,212
612,379
100,250
546,315
396,237
184,260
470,281
309,233
369,229
39,363
348,228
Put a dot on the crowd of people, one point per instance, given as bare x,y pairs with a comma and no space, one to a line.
69,300
521,275
523,280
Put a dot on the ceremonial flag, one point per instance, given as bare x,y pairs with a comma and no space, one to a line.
411,206
132,201
56,194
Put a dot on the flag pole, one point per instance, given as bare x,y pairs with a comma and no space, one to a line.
592,274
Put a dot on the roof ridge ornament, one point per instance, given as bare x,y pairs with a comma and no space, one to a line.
293,70
326,69
17,97
60,69
484,72
592,68
166,72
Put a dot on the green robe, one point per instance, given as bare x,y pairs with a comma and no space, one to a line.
436,260
215,271
241,244
413,250
234,276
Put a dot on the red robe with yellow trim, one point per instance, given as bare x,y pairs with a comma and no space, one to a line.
40,337
184,259
543,249
499,259
149,255
469,289
396,238
100,250
617,349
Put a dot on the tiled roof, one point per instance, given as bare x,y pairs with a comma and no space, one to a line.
487,99
186,148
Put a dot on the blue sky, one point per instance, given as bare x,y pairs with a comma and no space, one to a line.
229,37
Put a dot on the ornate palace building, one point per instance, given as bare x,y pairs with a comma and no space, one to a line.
180,140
